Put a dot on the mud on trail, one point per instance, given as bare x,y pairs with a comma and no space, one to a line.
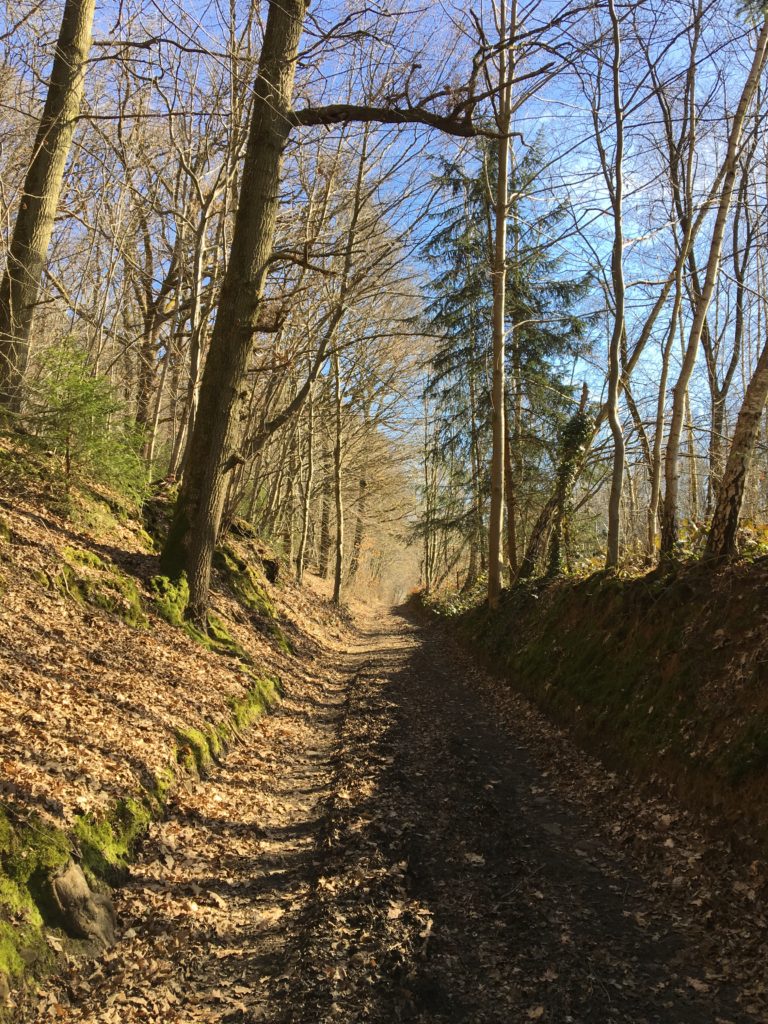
405,840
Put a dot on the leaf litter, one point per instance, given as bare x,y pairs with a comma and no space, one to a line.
404,839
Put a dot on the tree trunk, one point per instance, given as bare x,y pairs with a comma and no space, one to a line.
307,496
509,488
499,279
197,328
658,437
324,553
214,436
477,554
693,471
28,253
536,547
721,542
150,441
339,560
616,187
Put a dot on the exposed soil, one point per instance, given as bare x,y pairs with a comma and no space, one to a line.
405,840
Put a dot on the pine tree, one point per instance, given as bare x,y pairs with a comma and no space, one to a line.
545,334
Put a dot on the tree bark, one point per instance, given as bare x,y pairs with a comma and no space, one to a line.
615,182
362,503
337,495
511,499
499,279
721,542
28,253
658,437
324,552
192,537
306,503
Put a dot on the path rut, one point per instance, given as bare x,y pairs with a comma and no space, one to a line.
394,844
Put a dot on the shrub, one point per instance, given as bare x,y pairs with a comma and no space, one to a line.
75,415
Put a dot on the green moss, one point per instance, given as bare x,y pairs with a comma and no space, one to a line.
164,782
87,579
171,599
171,602
106,843
16,900
194,750
260,698
78,556
243,580
197,748
216,742
91,512
11,962
31,848
217,638
246,585
146,539
171,530
31,851
281,639
42,578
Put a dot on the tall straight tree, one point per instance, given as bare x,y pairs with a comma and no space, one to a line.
28,252
506,26
213,445
614,180
192,537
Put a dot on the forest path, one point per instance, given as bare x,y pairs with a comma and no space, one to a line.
395,844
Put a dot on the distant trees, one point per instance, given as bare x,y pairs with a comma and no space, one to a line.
703,297
213,445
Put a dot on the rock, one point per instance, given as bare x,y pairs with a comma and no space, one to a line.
85,913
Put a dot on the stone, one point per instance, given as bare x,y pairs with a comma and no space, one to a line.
86,914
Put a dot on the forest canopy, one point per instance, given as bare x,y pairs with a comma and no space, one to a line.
445,296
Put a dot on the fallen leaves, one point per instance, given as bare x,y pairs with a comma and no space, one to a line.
697,985
402,856
475,859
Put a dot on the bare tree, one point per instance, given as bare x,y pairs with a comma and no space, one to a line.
20,285
215,439
670,527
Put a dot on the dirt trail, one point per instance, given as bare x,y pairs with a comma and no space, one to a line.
395,844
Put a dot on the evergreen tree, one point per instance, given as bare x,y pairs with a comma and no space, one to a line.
545,334
75,416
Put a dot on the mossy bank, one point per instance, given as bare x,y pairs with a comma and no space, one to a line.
663,676
117,699
34,853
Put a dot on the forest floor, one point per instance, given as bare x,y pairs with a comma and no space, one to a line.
405,839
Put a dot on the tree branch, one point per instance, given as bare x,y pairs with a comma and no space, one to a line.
344,113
